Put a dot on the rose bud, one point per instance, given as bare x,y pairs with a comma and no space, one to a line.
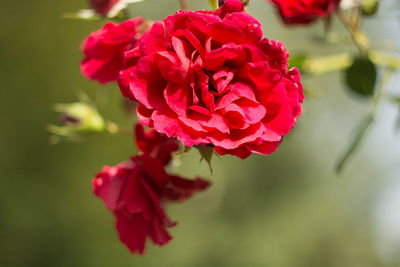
304,11
77,119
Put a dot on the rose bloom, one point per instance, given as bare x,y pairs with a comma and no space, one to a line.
102,6
104,49
304,11
136,192
208,78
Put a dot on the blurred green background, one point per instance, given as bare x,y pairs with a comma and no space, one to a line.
288,209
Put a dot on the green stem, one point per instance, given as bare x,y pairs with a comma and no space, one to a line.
113,128
358,38
379,93
184,4
366,123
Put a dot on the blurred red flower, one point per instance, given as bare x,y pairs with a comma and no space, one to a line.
304,11
104,49
136,191
102,6
208,78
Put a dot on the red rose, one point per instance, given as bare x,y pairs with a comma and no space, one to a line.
102,6
137,191
155,144
304,11
104,50
208,78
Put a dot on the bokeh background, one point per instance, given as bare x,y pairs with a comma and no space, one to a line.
288,209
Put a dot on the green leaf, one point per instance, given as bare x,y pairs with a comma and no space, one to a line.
297,61
321,65
342,61
360,135
206,154
213,4
390,60
361,77
312,92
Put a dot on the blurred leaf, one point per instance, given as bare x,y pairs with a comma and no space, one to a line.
321,65
213,4
360,134
312,92
326,64
395,99
386,59
361,76
297,61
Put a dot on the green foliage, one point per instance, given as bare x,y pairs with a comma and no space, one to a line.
213,4
336,62
297,61
321,65
361,76
385,59
359,136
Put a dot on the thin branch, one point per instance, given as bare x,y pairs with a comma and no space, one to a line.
184,4
366,123
386,75
356,35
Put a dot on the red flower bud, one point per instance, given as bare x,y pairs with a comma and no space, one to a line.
304,11
102,6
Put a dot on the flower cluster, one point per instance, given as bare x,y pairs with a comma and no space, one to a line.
207,79
136,191
204,78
